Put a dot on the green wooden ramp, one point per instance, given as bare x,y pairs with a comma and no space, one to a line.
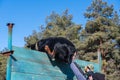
34,65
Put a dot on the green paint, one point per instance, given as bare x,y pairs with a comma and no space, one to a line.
9,61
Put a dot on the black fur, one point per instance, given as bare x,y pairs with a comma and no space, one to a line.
63,48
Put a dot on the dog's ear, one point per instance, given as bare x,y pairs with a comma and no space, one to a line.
64,52
60,51
70,54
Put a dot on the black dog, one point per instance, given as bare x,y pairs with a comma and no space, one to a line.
61,48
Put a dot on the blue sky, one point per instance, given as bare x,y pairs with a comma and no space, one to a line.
28,15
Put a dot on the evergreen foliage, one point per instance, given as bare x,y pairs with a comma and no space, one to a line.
3,62
103,30
57,26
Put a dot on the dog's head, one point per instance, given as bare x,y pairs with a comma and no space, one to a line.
38,45
65,53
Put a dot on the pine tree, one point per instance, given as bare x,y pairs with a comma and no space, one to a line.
61,25
102,32
32,39
57,26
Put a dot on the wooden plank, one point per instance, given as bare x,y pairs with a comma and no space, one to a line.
35,65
